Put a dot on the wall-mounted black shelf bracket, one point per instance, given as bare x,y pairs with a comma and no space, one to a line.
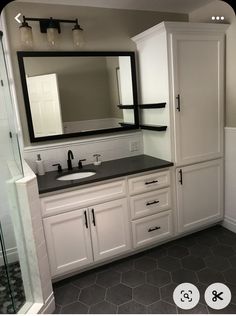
158,128
153,106
121,106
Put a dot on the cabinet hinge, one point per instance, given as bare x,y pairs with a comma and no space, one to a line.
10,134
2,84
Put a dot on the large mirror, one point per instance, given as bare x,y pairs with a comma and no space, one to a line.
78,93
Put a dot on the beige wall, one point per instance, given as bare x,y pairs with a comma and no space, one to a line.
204,15
105,29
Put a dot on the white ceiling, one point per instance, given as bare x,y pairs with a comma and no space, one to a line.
178,6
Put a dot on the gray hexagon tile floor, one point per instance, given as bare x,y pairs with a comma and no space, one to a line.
144,283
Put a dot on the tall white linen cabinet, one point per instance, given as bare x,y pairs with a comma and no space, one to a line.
182,64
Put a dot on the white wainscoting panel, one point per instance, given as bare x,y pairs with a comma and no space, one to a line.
230,179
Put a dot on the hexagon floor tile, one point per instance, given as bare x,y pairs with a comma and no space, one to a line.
133,278
144,283
132,308
146,294
108,278
178,251
119,294
158,278
145,264
193,263
92,294
169,263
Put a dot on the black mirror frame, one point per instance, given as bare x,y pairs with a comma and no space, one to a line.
33,139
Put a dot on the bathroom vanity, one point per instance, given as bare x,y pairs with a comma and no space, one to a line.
127,206
100,221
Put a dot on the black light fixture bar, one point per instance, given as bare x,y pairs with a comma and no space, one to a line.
45,23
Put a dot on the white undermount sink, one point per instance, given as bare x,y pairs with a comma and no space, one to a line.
77,175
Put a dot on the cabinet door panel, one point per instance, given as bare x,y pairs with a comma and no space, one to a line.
200,197
198,80
111,230
68,241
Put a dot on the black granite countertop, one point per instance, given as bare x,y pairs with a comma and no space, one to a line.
107,170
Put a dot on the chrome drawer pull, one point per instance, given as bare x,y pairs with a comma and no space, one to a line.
154,228
151,182
151,203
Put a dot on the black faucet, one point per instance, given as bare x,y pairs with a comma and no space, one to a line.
70,156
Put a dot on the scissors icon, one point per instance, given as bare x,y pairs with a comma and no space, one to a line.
216,296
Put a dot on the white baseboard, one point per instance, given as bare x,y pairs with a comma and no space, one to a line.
12,256
229,223
49,306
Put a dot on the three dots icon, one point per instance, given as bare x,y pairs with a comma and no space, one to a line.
217,18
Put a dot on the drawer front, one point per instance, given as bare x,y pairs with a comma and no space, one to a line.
152,229
69,201
149,182
150,203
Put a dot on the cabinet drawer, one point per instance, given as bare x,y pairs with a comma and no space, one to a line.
69,201
150,203
152,229
149,182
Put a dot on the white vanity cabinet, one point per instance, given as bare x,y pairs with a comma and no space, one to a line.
68,241
199,194
182,64
78,236
103,221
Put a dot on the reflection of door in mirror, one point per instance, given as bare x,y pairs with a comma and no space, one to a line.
45,105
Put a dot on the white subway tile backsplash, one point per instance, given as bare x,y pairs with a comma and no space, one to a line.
110,147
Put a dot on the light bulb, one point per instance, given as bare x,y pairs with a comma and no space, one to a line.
26,35
213,18
52,36
78,38
78,35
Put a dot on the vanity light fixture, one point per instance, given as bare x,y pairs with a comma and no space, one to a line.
26,35
78,37
52,28
52,32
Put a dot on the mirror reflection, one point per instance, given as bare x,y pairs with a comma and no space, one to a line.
73,94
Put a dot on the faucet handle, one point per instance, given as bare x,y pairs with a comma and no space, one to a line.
97,162
59,168
80,165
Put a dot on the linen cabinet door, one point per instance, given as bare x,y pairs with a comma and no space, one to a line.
198,94
68,241
110,229
199,194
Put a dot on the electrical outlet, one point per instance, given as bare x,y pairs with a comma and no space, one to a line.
134,146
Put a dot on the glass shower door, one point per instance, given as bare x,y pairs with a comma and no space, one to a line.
14,277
